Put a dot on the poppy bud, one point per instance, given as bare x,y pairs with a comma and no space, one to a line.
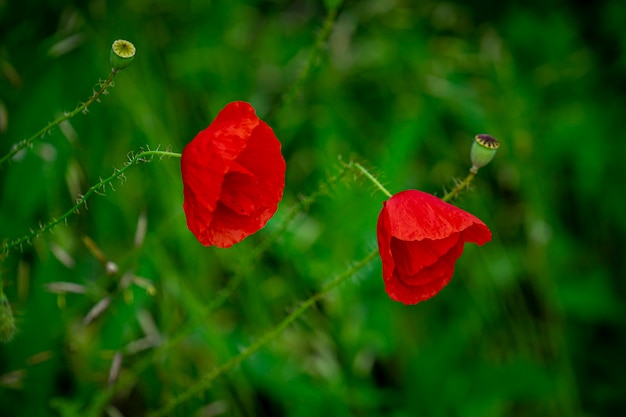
7,321
483,150
122,54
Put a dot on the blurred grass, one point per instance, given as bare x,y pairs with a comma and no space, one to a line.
532,323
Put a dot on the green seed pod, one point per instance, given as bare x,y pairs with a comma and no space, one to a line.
483,150
122,54
7,321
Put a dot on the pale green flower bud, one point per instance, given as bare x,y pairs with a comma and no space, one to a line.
122,54
483,150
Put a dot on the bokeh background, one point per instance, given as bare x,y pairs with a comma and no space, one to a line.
533,323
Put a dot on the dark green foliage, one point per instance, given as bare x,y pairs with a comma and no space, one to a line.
532,323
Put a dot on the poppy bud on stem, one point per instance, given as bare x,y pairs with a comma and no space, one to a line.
122,54
482,152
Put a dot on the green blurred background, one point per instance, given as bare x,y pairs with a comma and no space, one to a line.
532,323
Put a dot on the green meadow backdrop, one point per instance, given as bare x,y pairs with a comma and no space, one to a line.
532,324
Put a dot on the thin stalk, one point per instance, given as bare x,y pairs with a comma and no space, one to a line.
318,46
125,380
460,186
208,379
81,108
372,178
117,173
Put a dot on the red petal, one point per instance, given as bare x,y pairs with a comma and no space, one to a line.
203,174
442,269
383,235
262,190
415,215
238,193
412,256
413,294
420,238
232,128
233,176
427,283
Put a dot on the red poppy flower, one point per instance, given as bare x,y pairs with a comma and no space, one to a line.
420,237
233,177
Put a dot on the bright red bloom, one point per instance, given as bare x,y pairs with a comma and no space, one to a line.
233,177
420,237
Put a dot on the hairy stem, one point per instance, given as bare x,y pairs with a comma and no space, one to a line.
202,385
81,108
144,156
125,380
318,46
251,260
460,186
370,177
207,380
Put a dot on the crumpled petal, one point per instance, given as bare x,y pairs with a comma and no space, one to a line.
415,215
233,177
420,238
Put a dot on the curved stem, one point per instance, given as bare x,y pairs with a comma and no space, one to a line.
125,380
318,46
254,256
206,381
369,176
81,108
460,186
144,156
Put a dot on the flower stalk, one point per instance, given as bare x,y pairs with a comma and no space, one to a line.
42,132
144,156
460,186
320,41
369,176
121,55
208,379
125,380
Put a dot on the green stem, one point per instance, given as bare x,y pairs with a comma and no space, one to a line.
318,46
125,380
460,186
370,177
117,173
236,280
81,108
302,206
207,380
